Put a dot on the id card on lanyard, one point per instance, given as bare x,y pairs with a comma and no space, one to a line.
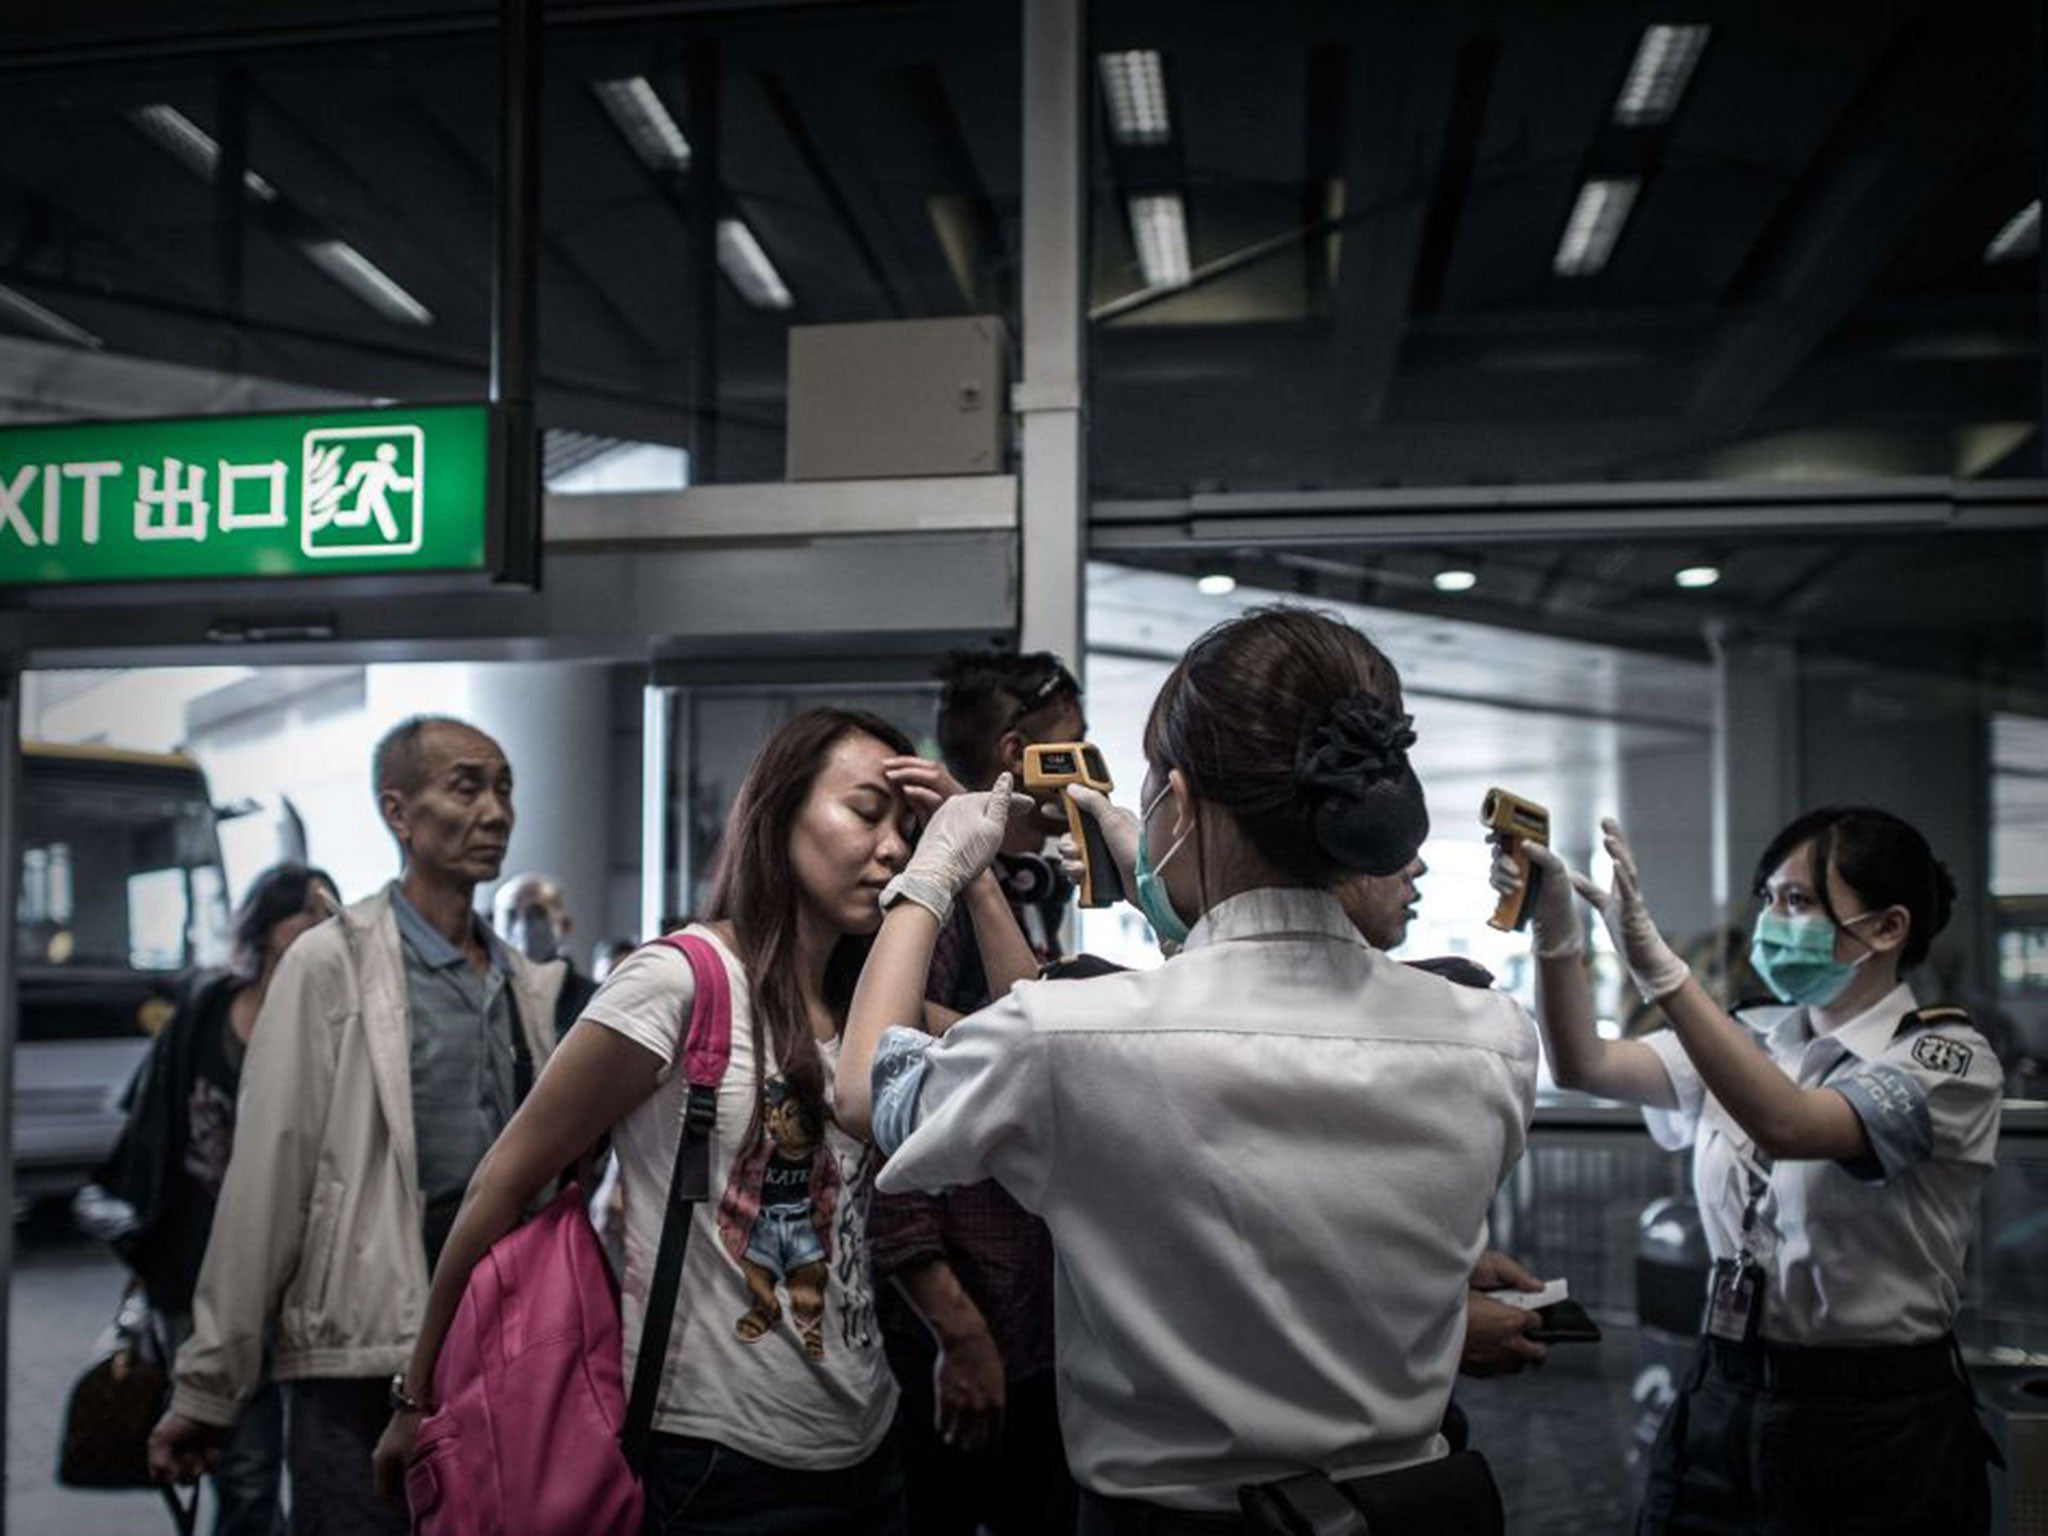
1735,1289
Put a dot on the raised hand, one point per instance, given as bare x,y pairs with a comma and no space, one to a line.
1652,964
1553,920
925,784
958,843
1119,830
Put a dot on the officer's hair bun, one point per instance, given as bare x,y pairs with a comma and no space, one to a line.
1291,720
1353,767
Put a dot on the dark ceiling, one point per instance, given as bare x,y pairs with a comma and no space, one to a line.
1374,193
1378,187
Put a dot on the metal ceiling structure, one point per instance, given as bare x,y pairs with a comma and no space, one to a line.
1803,293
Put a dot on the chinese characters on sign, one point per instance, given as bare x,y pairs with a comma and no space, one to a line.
244,496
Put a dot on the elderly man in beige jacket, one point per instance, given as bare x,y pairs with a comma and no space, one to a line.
393,1045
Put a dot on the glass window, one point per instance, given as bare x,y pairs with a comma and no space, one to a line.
105,876
157,910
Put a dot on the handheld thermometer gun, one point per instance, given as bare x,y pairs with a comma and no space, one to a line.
1517,821
1050,766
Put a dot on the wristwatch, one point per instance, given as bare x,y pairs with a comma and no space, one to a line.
403,1401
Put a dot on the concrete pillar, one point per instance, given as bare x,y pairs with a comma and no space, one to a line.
1755,765
1920,747
1050,398
554,723
1667,808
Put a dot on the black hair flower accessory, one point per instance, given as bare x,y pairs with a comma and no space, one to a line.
1360,743
1369,813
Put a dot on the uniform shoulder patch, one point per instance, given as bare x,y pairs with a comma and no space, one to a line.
1938,1053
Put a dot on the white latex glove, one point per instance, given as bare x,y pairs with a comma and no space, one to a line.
1652,964
959,842
1553,920
1119,829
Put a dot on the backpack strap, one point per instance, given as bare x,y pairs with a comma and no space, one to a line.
707,1048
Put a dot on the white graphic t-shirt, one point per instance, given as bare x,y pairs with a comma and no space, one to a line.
775,1350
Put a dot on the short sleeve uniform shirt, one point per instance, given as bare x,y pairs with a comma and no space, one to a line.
1857,1253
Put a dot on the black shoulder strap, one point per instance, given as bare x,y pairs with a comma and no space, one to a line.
702,1059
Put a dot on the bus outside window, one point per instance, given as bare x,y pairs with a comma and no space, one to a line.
122,894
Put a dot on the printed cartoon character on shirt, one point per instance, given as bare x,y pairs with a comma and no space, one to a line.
776,1218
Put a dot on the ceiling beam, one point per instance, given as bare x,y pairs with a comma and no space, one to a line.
1404,188
1900,142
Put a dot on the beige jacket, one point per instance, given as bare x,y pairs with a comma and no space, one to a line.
317,1233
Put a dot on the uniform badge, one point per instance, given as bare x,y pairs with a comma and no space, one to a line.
1938,1053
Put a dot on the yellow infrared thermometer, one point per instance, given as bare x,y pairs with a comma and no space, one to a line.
1054,765
1516,821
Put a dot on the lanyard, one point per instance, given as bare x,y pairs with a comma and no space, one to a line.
1757,1164
1757,1167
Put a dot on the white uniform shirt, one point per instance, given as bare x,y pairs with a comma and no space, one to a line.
1868,1254
1266,1165
772,1221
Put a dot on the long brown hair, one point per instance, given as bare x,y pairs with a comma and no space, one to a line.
754,887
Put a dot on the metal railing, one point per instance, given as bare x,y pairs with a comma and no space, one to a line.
1572,1206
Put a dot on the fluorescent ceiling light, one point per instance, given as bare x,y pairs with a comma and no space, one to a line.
638,113
1456,581
1134,85
1159,226
1664,62
1217,585
1698,576
24,308
2020,238
1589,235
743,261
367,281
192,146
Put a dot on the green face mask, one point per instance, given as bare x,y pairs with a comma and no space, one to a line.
1153,901
1795,957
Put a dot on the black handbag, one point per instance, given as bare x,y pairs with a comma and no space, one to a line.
116,1403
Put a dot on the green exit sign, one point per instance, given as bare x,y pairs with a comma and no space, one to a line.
340,493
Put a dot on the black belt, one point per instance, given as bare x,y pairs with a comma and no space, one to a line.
1892,1370
1135,1517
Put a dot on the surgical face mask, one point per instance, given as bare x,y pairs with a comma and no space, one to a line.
1795,957
1152,898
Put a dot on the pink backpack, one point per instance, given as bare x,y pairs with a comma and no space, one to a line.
533,1435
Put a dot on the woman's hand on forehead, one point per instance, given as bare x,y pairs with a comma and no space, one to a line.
924,784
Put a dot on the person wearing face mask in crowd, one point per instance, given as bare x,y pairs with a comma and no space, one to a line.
1266,1164
1839,1144
530,915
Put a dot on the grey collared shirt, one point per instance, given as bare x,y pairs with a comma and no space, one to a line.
462,1071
